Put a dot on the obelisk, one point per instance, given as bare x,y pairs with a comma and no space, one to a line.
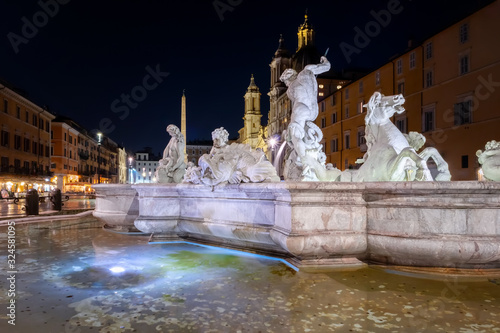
183,123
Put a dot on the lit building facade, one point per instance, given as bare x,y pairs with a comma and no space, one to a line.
80,158
451,83
145,164
122,165
280,106
24,143
252,133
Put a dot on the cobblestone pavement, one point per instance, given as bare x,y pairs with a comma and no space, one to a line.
9,208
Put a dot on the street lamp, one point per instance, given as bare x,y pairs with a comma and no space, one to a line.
99,137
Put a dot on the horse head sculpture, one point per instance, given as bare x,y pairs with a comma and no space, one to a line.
381,108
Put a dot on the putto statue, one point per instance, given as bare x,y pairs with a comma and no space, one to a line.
390,157
490,160
172,166
305,160
231,164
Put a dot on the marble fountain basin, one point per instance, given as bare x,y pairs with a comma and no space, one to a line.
431,224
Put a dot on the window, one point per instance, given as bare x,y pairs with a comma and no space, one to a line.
27,116
347,111
465,161
399,66
40,123
429,78
34,148
428,119
428,50
334,145
334,100
5,163
27,144
5,139
47,125
17,142
323,122
322,106
377,78
70,139
361,136
463,112
35,120
401,88
70,155
359,106
334,118
401,124
47,153
347,140
51,134
464,64
18,112
346,93
464,33
361,87
40,149
65,152
346,163
65,139
412,60
5,106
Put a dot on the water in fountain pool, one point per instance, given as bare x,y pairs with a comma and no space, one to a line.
79,278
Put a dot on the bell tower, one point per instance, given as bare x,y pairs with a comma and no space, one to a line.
252,116
305,34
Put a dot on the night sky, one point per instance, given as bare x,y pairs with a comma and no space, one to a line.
85,57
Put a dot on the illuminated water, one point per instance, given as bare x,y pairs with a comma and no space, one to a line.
80,278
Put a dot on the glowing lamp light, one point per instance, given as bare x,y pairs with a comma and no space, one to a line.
117,269
272,142
339,86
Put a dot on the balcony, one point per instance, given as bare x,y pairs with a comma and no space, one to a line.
18,171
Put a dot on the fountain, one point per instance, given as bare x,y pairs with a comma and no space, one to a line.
393,210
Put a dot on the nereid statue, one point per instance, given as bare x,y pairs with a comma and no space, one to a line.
490,160
231,164
172,166
306,160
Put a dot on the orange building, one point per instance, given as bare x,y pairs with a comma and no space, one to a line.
451,83
25,142
80,158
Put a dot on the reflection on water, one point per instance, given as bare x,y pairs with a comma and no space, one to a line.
80,278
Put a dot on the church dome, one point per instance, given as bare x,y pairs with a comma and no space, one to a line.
281,52
307,55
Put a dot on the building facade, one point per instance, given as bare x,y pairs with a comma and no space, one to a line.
81,158
451,83
280,106
122,165
197,149
24,142
146,164
252,133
